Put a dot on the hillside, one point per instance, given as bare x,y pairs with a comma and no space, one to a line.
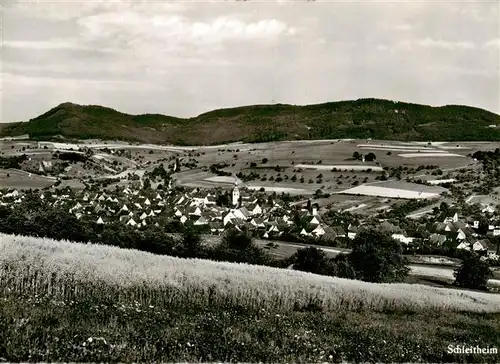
360,119
93,303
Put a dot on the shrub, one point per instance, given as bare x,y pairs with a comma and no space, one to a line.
474,273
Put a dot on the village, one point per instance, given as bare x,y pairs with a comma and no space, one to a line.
273,217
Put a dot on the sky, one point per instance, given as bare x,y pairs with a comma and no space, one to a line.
184,58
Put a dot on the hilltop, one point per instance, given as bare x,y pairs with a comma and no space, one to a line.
359,119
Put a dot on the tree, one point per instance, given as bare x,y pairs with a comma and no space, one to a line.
356,155
311,260
147,184
370,157
342,267
190,245
483,226
473,273
238,246
264,160
376,257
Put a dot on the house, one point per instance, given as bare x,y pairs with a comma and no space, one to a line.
183,219
493,232
254,209
257,223
313,220
227,219
402,238
452,218
100,221
318,231
209,200
488,209
201,221
131,222
196,211
241,213
352,231
216,226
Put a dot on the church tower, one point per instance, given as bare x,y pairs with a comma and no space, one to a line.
236,195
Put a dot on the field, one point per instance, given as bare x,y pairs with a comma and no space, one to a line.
294,167
322,164
73,271
13,178
73,302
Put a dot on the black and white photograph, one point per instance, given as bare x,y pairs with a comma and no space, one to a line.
249,181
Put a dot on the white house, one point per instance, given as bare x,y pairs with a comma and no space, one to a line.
304,232
227,219
488,210
254,209
201,221
460,234
402,238
314,221
318,231
453,218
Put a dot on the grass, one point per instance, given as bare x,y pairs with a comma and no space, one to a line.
359,119
35,329
72,271
62,301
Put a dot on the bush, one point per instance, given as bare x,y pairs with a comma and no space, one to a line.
474,273
311,260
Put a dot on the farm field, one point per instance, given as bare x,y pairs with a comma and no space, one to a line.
107,304
381,191
23,180
303,160
143,276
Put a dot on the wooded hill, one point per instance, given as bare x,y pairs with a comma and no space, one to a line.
359,119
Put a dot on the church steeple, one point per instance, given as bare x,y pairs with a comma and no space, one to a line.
236,194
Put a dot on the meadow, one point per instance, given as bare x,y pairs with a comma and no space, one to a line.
63,301
72,271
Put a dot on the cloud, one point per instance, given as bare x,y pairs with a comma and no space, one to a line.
451,45
50,44
429,43
131,25
397,27
492,43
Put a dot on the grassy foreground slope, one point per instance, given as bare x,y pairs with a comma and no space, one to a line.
363,118
65,301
